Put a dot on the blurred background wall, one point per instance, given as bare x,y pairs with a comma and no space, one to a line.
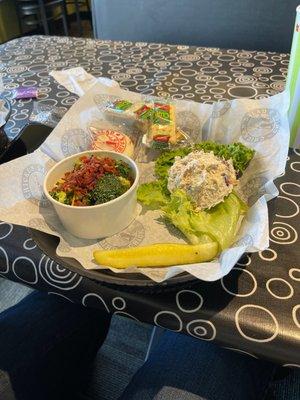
247,24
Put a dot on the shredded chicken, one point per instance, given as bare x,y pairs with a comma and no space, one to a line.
206,178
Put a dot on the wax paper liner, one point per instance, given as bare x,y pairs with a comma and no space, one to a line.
261,124
3,112
46,114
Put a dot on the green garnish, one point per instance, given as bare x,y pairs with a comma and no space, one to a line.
107,188
123,169
62,197
237,152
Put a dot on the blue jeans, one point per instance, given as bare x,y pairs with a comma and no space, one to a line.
46,345
185,368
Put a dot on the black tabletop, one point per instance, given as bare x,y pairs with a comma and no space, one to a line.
255,309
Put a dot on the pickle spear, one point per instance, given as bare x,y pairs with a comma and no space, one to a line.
156,255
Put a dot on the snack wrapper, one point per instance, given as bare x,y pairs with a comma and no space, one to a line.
155,119
26,93
261,124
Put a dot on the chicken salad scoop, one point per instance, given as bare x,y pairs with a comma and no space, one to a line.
204,177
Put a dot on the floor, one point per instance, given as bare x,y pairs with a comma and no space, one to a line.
57,29
119,358
86,28
124,352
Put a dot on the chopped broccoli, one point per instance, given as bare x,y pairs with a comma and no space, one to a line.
62,197
107,188
125,182
123,169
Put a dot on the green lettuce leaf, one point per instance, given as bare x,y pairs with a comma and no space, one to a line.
219,224
241,156
154,194
165,161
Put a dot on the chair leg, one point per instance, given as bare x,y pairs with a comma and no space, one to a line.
44,17
78,17
19,19
87,3
89,12
64,18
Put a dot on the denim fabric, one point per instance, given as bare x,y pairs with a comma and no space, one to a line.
47,344
181,367
11,293
6,392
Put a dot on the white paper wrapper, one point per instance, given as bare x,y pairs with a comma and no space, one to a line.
261,124
3,112
78,81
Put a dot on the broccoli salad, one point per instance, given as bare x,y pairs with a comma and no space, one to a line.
94,180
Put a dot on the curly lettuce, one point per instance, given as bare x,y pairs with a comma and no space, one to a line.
154,194
240,155
220,223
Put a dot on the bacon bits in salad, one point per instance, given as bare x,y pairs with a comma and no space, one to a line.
94,180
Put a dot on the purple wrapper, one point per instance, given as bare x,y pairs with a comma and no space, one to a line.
26,93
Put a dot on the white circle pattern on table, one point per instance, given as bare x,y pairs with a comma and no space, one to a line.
202,329
263,256
115,303
56,276
296,152
252,339
293,184
3,227
293,166
151,69
283,233
296,212
29,247
61,295
247,262
94,296
194,296
127,315
30,263
240,351
291,289
5,269
240,294
291,365
171,316
294,314
291,274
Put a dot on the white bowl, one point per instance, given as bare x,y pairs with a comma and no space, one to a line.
99,221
